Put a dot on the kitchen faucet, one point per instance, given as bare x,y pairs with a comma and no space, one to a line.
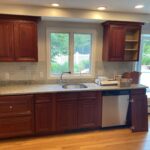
61,76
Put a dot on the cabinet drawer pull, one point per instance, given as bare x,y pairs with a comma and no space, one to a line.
10,107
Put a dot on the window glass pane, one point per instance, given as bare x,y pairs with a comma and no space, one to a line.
59,52
82,53
145,65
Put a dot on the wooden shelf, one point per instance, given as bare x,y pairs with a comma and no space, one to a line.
131,41
132,49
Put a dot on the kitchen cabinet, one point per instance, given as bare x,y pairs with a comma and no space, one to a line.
121,41
78,110
66,111
16,116
44,116
25,35
48,113
18,38
89,109
139,114
6,41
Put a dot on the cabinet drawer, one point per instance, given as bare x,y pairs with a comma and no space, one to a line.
43,98
138,91
16,126
16,105
66,96
88,94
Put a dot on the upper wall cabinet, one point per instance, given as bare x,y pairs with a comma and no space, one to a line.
121,41
18,38
6,41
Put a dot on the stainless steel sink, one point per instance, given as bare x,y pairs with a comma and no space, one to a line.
74,86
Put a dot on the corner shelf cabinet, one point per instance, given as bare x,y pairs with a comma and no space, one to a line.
121,41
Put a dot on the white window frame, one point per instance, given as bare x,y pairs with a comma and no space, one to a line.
71,51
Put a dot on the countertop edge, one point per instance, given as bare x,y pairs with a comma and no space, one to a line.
56,88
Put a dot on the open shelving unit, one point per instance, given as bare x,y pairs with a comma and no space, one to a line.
131,44
121,40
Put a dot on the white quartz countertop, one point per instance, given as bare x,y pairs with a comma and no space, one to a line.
54,88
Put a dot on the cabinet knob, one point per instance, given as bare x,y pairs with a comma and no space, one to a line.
10,107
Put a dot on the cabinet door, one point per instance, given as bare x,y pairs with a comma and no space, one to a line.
66,115
6,41
66,111
16,115
20,105
44,113
26,41
117,43
16,126
139,114
89,108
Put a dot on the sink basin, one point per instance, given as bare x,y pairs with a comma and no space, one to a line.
74,86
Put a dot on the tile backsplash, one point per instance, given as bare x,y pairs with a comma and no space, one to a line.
22,71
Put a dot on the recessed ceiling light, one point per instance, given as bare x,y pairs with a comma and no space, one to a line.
101,8
139,6
55,5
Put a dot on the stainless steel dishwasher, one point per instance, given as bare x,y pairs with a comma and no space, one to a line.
114,107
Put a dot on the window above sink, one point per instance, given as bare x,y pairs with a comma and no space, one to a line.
70,50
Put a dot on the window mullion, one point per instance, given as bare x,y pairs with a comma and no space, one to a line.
71,53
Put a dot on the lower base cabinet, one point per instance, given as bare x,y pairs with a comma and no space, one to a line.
66,115
78,110
89,110
16,126
16,116
44,113
139,113
22,115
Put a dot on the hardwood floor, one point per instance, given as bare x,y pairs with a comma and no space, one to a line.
116,139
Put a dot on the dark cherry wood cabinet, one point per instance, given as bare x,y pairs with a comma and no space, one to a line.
89,109
26,41
44,114
49,113
66,111
6,41
139,114
18,38
78,110
121,41
16,116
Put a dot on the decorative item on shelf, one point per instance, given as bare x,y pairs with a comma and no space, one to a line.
134,75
